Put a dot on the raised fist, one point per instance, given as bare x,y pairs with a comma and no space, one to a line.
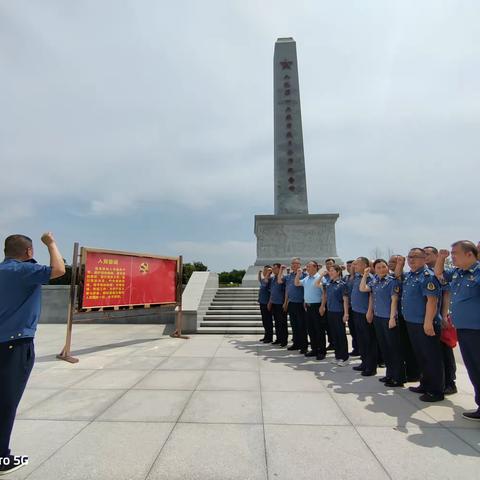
47,238
443,253
299,271
366,271
400,260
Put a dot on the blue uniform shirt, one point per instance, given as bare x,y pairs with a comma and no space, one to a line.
311,293
349,282
277,291
336,290
20,298
358,299
417,286
264,292
465,296
295,294
382,291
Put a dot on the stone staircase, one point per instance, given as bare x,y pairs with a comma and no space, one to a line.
233,310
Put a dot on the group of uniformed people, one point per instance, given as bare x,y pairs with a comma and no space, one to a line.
407,321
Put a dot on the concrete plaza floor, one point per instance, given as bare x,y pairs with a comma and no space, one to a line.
141,405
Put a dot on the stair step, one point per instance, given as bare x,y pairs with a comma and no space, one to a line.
252,308
247,313
231,324
232,330
232,317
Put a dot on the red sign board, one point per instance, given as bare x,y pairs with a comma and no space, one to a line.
118,278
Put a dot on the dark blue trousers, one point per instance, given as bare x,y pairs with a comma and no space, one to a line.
367,342
413,371
429,358
389,341
316,328
281,326
353,331
16,363
469,341
449,364
296,312
338,334
267,321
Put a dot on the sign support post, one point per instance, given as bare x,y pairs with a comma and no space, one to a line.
178,327
65,353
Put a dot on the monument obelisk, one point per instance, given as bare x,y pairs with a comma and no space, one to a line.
291,231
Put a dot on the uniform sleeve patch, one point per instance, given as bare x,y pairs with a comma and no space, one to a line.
431,286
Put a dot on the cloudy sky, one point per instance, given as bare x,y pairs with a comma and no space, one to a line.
147,125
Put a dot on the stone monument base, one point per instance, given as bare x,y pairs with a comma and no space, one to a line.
282,237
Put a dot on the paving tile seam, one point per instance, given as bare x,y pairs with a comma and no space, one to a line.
58,391
380,463
263,426
442,423
157,456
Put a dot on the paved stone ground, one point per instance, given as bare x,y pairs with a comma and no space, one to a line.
140,405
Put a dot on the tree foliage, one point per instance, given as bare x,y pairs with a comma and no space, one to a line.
189,268
235,276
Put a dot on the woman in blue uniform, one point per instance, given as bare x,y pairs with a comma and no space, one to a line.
336,302
385,290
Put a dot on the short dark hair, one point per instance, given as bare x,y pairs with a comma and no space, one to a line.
365,260
350,261
330,260
16,245
338,269
418,249
277,265
466,246
314,262
379,260
434,249
267,266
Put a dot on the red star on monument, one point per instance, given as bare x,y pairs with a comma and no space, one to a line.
286,64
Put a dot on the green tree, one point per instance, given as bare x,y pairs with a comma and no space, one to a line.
234,276
189,268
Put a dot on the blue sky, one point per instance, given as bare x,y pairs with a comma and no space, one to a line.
148,126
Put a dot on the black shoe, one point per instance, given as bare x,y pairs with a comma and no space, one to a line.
292,347
392,383
303,351
384,379
276,342
320,356
14,464
282,344
430,397
418,389
367,373
268,340
311,353
262,339
413,379
381,365
472,415
354,353
359,368
450,390
330,347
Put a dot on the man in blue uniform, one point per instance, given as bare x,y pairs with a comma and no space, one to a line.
295,308
264,279
464,281
413,372
420,299
351,324
447,351
316,324
365,330
21,279
277,301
